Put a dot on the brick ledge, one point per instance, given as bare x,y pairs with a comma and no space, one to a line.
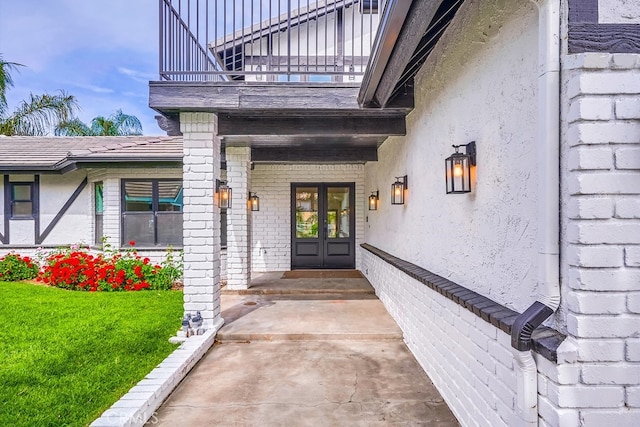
139,405
545,340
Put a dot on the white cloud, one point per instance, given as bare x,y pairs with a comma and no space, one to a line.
137,75
92,88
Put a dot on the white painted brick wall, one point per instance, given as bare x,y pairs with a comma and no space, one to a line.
271,238
601,236
469,360
201,217
239,218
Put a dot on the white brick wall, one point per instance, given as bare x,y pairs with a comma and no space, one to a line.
601,236
201,234
239,218
271,238
468,359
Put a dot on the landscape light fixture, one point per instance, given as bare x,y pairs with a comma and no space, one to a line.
398,189
223,192
373,200
254,202
458,169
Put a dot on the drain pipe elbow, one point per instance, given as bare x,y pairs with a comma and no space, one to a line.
527,378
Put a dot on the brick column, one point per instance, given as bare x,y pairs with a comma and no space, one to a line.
239,218
201,218
601,235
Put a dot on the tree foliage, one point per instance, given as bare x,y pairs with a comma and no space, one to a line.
39,114
117,124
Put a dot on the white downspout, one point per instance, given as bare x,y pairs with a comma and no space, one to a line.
548,207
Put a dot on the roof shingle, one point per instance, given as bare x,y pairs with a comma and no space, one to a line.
29,153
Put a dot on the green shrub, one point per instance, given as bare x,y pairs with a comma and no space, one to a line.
14,267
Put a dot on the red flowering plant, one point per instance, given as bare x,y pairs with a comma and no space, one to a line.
111,271
14,267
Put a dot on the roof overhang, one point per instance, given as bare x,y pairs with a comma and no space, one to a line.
407,33
298,121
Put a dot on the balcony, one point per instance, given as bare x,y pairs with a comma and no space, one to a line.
266,41
282,76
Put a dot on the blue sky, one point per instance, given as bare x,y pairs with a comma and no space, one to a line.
103,52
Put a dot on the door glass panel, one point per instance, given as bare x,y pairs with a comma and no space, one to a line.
307,212
338,212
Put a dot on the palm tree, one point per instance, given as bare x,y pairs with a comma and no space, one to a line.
117,124
37,115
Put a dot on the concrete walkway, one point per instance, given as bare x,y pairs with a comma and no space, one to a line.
306,352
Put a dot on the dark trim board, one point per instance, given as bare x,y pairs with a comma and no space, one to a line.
545,340
586,34
583,11
303,126
314,155
611,38
4,236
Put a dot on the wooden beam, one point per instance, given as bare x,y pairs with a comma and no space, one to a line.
230,125
313,155
171,97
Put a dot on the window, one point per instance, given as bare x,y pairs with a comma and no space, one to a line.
22,200
152,212
98,188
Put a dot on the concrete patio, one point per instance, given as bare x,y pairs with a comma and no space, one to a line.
309,350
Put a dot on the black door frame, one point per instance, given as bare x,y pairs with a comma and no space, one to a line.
324,259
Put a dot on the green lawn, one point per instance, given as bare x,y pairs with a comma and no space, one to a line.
66,356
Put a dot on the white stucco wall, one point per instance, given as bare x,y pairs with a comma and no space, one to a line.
76,224
619,12
271,237
478,85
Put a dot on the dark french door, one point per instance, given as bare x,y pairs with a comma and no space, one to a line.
323,225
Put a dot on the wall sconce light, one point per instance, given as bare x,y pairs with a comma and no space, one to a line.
373,200
224,194
397,190
458,169
254,202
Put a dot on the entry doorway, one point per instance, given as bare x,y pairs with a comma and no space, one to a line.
322,225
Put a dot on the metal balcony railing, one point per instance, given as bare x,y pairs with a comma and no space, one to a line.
268,40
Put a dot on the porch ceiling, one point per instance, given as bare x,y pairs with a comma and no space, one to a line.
293,122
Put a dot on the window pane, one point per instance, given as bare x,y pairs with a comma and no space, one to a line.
99,190
22,192
338,212
170,228
170,196
319,78
22,209
138,196
98,229
307,212
138,228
